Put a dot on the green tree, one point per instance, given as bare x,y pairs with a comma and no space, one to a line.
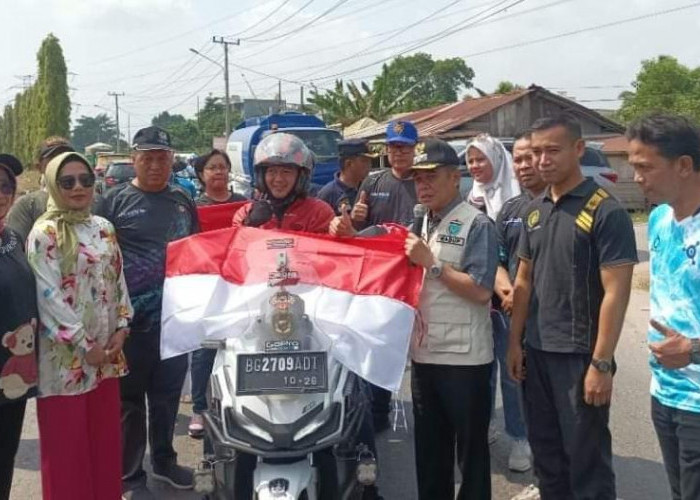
417,81
663,84
347,103
91,129
41,110
506,87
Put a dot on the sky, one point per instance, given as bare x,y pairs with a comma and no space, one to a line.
589,49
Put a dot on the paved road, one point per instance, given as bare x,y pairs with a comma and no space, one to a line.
640,474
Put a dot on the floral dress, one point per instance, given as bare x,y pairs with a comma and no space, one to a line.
80,309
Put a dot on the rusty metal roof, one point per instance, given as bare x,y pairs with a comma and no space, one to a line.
441,119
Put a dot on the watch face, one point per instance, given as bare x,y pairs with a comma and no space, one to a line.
602,366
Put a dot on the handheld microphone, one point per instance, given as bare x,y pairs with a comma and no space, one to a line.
419,212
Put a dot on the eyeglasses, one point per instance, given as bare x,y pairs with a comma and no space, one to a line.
217,168
7,188
68,182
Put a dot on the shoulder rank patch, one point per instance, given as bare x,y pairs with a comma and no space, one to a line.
585,218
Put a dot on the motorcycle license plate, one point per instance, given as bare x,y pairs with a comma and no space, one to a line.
282,373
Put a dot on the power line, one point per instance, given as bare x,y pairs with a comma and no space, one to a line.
303,26
466,23
363,51
289,17
261,20
175,37
584,30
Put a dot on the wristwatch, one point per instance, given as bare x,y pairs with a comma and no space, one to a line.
435,271
601,365
695,351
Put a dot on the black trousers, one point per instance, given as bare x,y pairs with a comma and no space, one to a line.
452,405
679,439
161,382
11,418
570,440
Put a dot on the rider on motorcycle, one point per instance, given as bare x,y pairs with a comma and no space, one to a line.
283,166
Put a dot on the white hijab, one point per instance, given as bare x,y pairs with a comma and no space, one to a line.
503,186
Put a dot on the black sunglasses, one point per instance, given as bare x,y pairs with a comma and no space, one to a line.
68,182
51,151
7,188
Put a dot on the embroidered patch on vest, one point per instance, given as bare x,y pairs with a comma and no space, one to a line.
454,227
451,240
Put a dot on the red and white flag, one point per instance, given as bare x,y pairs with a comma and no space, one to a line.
361,292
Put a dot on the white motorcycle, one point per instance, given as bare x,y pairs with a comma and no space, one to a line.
284,414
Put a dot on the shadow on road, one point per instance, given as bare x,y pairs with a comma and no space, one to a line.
640,479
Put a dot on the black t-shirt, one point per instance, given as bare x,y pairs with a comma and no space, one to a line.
509,224
567,250
389,199
145,223
204,200
18,320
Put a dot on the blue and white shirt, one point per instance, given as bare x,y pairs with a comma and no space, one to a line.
675,301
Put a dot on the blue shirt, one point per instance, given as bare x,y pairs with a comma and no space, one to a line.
675,301
336,194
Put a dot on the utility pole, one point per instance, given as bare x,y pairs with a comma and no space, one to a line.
225,43
116,96
301,99
279,96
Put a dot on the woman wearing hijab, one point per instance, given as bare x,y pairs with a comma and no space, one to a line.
84,312
491,166
18,320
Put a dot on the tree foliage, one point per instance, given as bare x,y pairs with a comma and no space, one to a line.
406,84
663,84
89,130
506,87
41,110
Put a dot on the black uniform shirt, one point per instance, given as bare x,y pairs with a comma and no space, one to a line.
566,262
509,225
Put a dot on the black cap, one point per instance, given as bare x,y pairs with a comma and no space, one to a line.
12,163
434,153
152,138
354,147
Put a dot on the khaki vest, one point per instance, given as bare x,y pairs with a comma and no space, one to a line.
451,330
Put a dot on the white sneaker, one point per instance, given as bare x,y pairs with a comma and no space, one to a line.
493,433
520,456
532,492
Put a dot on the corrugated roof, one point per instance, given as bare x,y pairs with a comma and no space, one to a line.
441,119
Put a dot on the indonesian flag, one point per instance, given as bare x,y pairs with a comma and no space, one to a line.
361,292
218,216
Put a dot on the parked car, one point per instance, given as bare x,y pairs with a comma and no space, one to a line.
118,173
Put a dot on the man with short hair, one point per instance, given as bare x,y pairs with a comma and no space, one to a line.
452,347
577,254
665,153
28,208
508,227
387,196
355,162
147,214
